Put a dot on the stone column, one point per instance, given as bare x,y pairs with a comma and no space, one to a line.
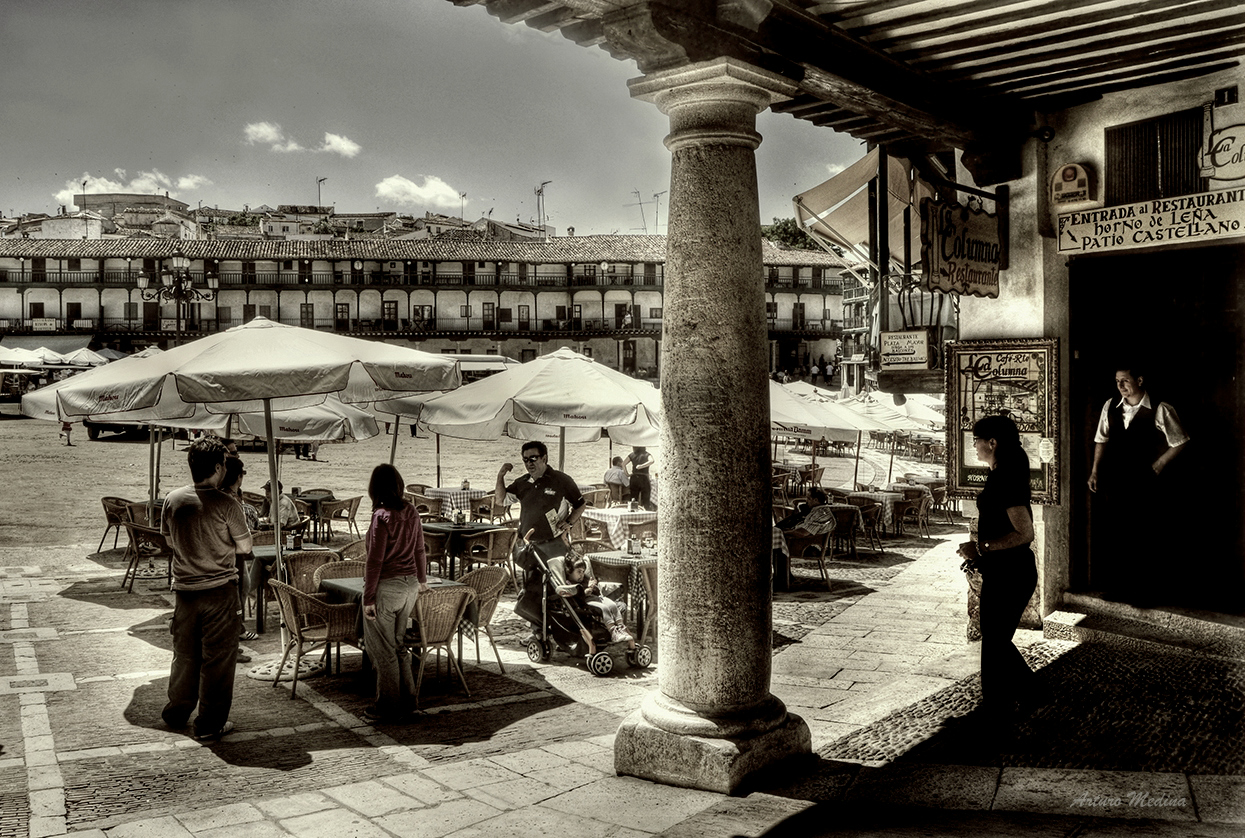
713,721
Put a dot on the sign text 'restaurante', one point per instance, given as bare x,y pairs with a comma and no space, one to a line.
1204,217
960,249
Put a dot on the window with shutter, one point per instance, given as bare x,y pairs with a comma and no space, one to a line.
1154,158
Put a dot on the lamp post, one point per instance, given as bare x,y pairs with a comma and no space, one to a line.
177,286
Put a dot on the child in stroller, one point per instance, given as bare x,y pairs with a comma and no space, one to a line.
558,597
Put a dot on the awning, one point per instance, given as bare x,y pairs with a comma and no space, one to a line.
60,344
837,211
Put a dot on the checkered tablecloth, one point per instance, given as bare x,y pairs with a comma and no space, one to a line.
616,519
457,498
886,499
904,488
636,595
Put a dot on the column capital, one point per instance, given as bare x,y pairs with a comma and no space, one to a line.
713,101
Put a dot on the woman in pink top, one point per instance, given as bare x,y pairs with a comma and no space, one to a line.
396,573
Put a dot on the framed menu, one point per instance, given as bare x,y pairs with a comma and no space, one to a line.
1018,378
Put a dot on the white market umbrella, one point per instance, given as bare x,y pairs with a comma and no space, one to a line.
915,407
18,357
85,357
260,366
563,392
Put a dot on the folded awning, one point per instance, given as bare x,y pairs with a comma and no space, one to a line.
837,211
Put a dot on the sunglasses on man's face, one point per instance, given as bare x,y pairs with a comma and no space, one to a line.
531,459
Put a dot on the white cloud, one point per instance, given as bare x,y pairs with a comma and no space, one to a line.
263,132
338,144
154,182
834,168
287,146
396,189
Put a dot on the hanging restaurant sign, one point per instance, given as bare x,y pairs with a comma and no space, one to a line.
1202,218
960,251
1018,378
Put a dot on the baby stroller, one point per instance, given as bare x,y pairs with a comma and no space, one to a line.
566,623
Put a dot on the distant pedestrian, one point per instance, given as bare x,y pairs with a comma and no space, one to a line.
814,375
206,529
66,428
641,480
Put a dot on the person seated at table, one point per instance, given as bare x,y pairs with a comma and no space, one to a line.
395,575
816,497
288,512
616,476
572,578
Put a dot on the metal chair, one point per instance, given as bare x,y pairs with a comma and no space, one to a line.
488,583
438,613
312,622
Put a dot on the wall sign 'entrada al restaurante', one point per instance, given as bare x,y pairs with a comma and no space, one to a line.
1202,218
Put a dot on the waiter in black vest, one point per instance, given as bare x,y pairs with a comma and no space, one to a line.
1137,438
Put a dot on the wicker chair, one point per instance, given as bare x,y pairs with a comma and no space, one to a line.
263,537
430,509
491,511
340,510
145,543
915,512
941,502
870,514
598,497
356,549
312,622
435,549
300,568
648,529
618,493
116,513
347,569
438,613
488,583
491,547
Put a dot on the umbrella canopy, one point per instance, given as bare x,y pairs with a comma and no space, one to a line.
85,357
918,409
20,357
560,390
111,354
563,392
252,365
258,366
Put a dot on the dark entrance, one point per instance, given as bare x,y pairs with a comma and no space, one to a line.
1178,314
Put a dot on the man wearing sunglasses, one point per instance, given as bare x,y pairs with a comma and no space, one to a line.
550,501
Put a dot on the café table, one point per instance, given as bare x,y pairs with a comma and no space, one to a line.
350,589
887,501
616,519
456,497
640,588
313,498
266,554
456,534
910,490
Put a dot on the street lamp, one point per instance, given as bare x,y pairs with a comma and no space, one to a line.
177,286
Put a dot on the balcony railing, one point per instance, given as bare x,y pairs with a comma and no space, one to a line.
828,327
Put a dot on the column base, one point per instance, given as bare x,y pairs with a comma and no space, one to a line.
707,762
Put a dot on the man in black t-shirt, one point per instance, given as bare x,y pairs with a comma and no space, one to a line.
550,501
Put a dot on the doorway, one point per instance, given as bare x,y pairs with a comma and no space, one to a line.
1177,314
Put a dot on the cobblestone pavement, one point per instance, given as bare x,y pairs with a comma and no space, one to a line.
877,665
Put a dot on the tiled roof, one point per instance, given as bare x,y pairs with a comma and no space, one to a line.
556,250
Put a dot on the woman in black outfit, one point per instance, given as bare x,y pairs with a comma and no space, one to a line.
1006,562
641,483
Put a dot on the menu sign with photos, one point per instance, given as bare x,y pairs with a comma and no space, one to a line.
1017,378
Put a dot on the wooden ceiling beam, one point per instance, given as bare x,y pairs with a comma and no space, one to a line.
1085,67
1135,46
1188,67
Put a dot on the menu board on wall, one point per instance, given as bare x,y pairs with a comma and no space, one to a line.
1018,378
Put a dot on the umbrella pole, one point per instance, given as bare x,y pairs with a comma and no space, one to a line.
393,449
438,459
890,468
561,449
159,454
856,472
151,472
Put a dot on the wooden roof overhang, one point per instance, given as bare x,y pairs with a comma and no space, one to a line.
919,76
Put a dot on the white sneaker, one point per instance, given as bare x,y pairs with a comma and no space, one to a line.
619,633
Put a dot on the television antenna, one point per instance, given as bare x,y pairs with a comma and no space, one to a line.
657,211
540,207
639,203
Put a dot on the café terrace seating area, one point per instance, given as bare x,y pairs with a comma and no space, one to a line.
306,614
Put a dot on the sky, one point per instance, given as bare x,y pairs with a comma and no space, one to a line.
398,105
